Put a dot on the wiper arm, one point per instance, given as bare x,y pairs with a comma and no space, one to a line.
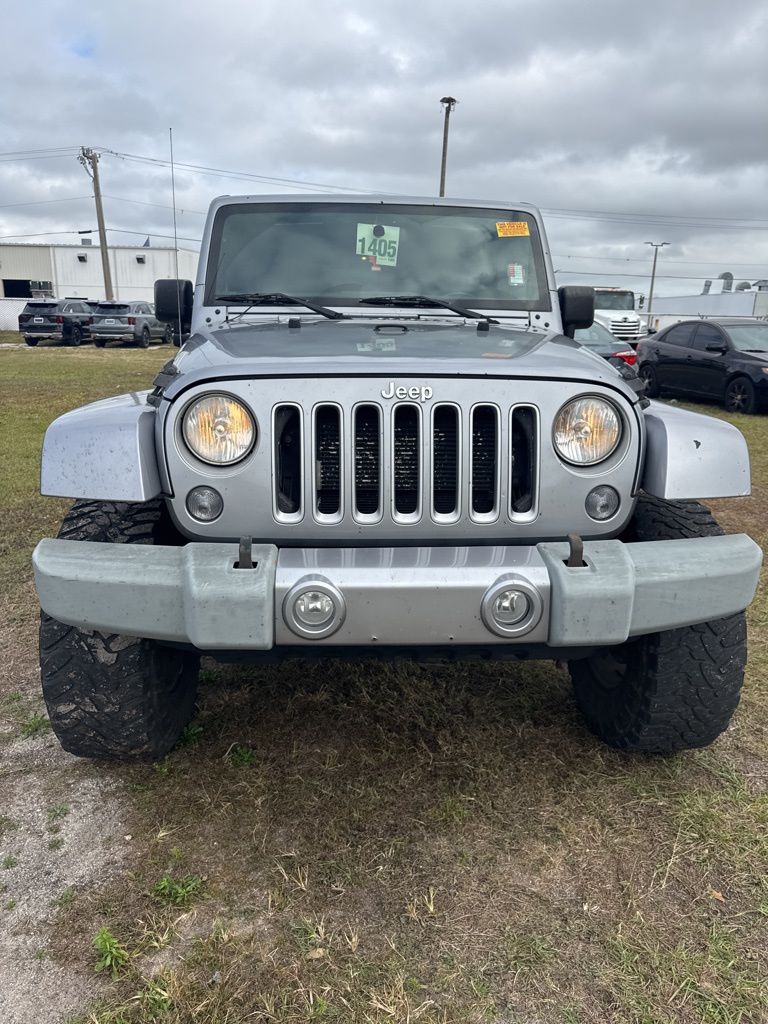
425,301
279,299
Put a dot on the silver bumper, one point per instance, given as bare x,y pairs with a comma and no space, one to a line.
394,596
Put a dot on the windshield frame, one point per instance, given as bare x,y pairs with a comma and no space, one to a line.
543,303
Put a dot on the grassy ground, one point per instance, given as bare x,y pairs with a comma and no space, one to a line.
366,843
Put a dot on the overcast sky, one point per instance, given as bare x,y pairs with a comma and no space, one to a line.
615,108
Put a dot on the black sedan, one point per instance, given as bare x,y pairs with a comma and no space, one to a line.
724,359
604,344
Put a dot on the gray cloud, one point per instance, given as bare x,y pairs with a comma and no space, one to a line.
657,108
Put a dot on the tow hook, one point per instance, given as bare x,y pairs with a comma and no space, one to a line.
245,556
576,553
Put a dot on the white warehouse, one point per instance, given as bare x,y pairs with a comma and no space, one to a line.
31,270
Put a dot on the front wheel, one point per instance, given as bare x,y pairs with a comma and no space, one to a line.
108,696
666,691
740,396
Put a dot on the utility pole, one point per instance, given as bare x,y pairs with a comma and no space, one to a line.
449,103
656,247
90,161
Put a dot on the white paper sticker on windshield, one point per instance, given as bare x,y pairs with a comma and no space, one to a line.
378,243
516,273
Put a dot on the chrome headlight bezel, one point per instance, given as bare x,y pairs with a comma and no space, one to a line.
610,408
199,452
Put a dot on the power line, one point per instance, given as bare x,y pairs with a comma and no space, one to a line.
648,219
610,273
639,259
159,206
556,211
43,202
225,173
152,234
33,152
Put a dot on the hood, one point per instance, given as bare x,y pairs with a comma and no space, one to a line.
367,346
754,358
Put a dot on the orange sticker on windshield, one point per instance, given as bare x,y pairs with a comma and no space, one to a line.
512,228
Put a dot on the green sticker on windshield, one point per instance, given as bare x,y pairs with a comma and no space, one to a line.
378,243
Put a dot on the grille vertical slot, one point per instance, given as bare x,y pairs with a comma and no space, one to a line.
327,460
406,460
367,460
288,462
445,460
524,441
485,462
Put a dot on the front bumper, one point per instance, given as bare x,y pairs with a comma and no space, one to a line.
394,596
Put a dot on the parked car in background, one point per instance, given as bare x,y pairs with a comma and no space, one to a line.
603,343
134,322
65,320
724,359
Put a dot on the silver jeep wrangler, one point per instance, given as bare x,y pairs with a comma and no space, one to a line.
381,440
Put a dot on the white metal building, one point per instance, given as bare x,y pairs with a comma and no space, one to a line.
29,270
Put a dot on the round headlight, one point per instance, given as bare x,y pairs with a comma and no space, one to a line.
587,430
218,429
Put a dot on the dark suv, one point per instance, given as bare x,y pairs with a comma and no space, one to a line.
724,359
66,320
128,321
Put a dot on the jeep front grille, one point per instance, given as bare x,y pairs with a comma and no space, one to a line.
404,463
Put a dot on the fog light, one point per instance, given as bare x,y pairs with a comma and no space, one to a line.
602,503
511,607
204,504
314,609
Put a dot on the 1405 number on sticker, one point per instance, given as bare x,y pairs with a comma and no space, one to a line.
378,242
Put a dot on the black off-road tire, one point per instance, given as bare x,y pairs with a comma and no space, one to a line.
113,697
648,376
673,690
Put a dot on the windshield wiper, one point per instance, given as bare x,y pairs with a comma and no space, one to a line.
278,299
425,302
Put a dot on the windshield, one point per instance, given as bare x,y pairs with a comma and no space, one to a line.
614,300
749,337
338,253
595,336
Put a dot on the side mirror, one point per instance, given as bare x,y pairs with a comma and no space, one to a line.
577,307
717,346
173,302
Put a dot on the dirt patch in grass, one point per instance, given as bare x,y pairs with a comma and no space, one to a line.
61,836
368,843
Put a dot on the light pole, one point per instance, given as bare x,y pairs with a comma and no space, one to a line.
449,103
656,247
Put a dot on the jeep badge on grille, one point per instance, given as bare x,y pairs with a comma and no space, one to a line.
420,393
